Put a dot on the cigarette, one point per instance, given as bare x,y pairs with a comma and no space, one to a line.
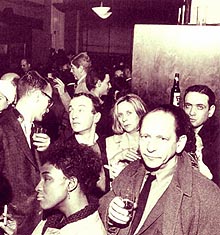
5,215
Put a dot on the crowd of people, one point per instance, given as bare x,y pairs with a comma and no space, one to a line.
81,154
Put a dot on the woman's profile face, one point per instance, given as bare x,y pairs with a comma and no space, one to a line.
52,190
127,117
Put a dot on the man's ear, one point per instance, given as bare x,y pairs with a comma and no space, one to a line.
181,143
97,117
211,110
73,182
81,69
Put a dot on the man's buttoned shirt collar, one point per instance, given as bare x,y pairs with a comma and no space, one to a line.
25,125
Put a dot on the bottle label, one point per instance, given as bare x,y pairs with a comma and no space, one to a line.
176,99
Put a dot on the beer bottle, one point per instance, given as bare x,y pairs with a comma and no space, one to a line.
175,91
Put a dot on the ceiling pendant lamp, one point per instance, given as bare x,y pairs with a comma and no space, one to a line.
102,12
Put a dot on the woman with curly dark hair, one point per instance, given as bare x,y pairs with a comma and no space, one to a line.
68,176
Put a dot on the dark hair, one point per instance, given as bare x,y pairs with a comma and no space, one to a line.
95,100
183,125
93,76
203,89
76,160
31,80
61,61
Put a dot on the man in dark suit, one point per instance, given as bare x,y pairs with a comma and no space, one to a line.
19,161
180,200
199,105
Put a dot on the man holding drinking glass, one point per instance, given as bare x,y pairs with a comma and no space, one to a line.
18,161
178,199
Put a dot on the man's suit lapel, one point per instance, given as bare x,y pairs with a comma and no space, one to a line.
22,142
174,204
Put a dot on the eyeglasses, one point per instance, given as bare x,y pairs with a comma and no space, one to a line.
50,101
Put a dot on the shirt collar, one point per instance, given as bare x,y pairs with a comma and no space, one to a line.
22,120
81,79
166,172
81,140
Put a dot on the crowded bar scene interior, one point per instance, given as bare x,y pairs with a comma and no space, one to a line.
109,117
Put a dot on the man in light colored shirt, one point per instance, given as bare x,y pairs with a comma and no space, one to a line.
80,66
181,201
199,105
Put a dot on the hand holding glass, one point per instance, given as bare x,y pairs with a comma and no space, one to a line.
120,210
40,139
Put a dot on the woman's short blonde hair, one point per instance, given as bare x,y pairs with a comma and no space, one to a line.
139,107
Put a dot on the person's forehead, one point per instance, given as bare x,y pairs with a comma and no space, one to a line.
23,61
81,101
158,122
125,105
50,169
73,66
196,98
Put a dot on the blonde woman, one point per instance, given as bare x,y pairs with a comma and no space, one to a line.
122,147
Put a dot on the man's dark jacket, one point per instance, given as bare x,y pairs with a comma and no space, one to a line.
19,166
210,135
190,205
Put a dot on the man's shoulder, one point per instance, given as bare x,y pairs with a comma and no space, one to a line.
206,189
132,172
7,117
211,125
210,132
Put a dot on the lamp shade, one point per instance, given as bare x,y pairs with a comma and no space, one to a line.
102,12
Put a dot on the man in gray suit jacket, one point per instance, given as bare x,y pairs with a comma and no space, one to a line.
18,161
181,200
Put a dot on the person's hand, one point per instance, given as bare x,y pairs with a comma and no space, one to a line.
11,227
128,155
117,212
59,85
114,170
41,141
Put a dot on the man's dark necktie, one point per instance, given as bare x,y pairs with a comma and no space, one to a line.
142,201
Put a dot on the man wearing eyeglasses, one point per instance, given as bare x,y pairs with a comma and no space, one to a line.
20,149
